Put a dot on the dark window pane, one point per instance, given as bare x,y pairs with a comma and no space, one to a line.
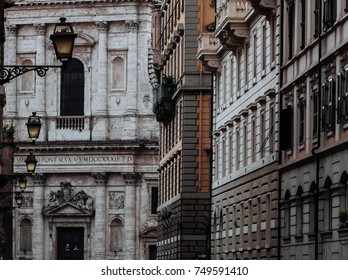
72,89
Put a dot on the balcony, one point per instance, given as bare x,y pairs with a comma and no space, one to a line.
163,106
231,26
208,47
264,7
71,123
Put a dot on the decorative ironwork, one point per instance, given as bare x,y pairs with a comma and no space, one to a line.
7,73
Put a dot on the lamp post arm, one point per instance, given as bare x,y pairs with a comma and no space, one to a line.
9,72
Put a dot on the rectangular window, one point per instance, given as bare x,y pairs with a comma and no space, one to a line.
237,149
253,140
264,46
291,27
315,111
271,129
255,56
331,106
302,121
246,64
245,145
316,18
154,200
238,76
230,153
345,95
329,14
223,155
262,134
303,23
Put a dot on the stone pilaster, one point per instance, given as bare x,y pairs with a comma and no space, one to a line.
132,86
130,180
40,82
100,103
10,58
100,216
38,224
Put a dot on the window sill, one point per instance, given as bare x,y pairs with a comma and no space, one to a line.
299,238
287,240
326,234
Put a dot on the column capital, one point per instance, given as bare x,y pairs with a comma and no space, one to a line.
39,178
40,28
99,177
102,26
132,25
11,29
131,178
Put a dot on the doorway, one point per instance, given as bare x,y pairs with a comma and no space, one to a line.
70,243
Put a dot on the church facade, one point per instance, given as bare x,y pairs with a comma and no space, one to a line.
94,193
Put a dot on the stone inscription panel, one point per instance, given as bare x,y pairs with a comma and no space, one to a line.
89,162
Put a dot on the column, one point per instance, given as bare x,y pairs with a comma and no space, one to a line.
130,180
10,58
40,82
38,224
100,102
100,217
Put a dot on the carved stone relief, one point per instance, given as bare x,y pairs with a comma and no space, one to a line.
116,200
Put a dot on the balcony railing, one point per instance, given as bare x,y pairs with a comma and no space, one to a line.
72,123
231,26
163,105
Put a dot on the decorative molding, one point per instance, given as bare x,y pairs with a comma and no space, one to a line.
99,177
264,7
102,26
39,179
66,194
12,29
131,178
40,28
132,25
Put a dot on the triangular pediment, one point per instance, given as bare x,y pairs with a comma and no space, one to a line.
67,209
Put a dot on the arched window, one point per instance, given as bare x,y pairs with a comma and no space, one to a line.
312,209
27,79
299,211
25,235
327,205
72,89
116,235
118,73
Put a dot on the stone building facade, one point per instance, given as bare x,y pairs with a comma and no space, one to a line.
242,53
182,107
94,194
314,181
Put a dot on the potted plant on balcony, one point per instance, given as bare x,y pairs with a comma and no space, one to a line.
343,218
8,132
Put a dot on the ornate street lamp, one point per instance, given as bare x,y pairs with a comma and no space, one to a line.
63,39
30,163
19,199
22,182
34,125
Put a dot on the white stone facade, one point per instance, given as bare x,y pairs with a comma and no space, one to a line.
108,154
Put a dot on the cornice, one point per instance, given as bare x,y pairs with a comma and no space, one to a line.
89,145
71,2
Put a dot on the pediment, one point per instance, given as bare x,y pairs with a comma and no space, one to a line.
67,209
84,40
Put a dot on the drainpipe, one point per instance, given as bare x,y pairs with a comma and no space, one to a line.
281,55
314,150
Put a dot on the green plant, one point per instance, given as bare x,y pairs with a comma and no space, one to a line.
343,218
168,80
8,130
